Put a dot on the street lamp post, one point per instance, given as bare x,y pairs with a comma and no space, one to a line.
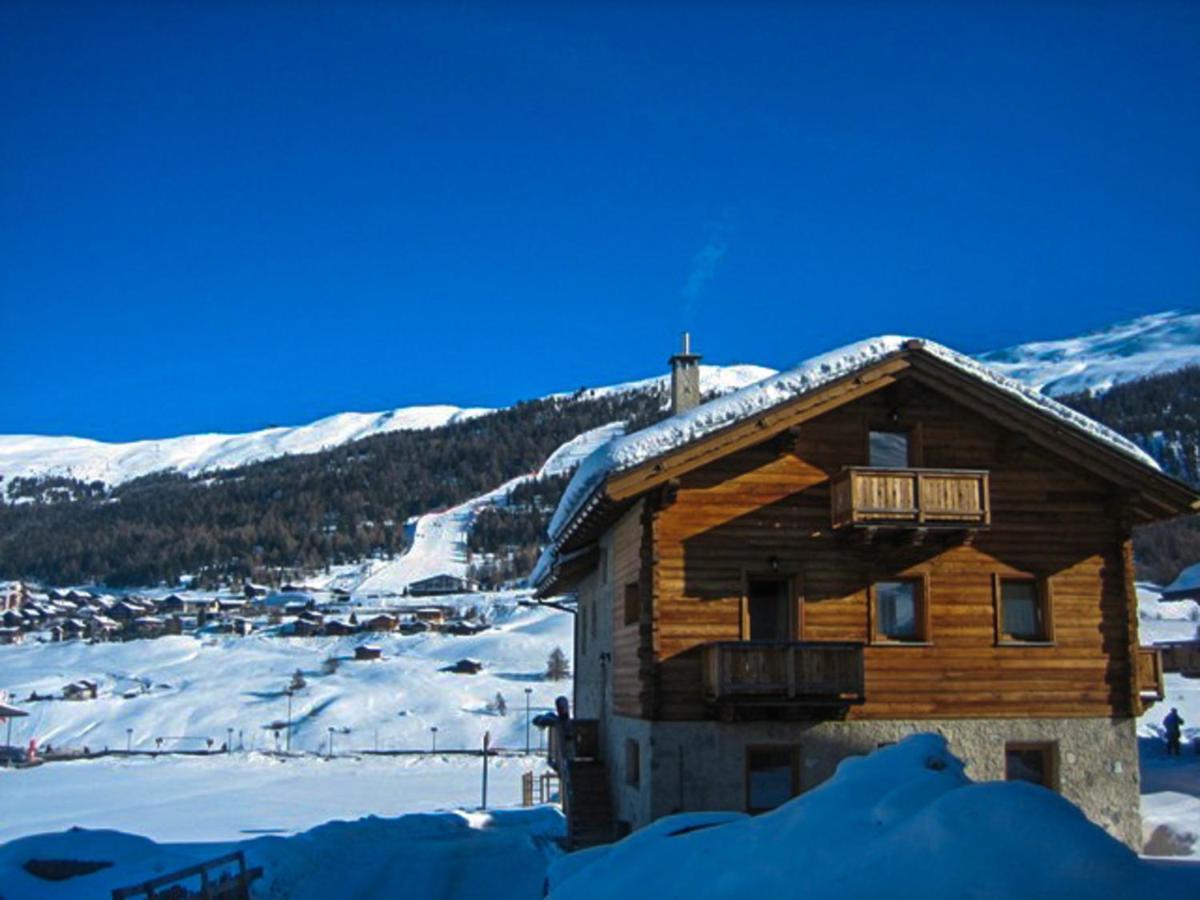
288,736
228,740
331,742
528,692
433,731
128,740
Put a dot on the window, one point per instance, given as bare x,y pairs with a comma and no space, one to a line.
772,777
633,763
1032,762
633,604
768,609
899,612
888,449
1022,611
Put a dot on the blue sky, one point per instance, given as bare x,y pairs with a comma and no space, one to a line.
224,216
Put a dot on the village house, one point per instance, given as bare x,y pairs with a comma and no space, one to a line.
888,539
381,622
441,584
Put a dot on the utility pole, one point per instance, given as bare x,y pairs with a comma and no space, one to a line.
528,691
487,740
288,737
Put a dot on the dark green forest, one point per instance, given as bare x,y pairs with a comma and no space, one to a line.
271,520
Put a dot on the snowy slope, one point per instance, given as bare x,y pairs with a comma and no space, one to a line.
87,460
186,689
1151,345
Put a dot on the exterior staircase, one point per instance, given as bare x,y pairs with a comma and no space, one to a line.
587,804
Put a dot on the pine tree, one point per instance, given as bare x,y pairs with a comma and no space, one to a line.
557,666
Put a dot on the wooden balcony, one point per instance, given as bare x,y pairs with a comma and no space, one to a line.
814,674
1149,670
910,498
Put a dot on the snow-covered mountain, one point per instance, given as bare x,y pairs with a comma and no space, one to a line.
87,460
1151,345
32,456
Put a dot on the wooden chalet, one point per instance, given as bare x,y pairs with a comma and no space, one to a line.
1182,657
887,540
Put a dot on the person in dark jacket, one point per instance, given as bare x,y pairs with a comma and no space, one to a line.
1173,725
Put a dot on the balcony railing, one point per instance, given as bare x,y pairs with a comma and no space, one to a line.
1149,676
911,498
794,673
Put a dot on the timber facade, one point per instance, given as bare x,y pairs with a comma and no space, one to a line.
906,549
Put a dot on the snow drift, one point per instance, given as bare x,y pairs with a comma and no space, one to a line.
905,821
499,855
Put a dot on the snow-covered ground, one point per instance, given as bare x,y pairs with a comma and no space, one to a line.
1150,345
1170,785
227,797
903,822
186,689
500,855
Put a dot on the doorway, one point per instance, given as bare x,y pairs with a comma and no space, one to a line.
768,609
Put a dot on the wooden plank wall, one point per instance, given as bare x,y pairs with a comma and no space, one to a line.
626,567
1049,520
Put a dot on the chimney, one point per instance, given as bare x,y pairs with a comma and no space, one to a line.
685,378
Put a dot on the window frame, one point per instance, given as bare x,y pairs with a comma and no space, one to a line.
1050,764
923,616
797,785
1045,600
914,432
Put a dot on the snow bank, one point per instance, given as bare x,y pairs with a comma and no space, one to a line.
634,449
500,855
903,822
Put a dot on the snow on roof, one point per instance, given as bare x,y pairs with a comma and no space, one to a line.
1187,580
626,452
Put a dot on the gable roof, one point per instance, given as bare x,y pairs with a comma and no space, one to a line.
627,466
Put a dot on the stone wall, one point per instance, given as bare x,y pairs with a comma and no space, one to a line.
689,766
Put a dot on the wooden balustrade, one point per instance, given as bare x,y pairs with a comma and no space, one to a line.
913,498
796,673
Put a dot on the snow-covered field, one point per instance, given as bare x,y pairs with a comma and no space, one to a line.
185,689
227,798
